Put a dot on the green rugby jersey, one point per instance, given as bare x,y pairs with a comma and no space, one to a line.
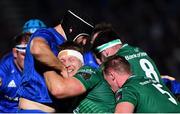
141,63
99,97
147,95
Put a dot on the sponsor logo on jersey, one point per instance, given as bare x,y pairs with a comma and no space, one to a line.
11,98
12,84
149,80
86,76
86,73
137,55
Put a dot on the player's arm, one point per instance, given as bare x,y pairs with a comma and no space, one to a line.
168,77
126,99
42,53
124,107
61,87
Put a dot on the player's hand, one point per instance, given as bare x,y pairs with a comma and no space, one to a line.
167,77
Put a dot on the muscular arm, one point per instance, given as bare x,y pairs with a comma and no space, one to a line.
124,107
42,53
63,87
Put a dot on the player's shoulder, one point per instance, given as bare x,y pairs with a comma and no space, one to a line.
134,80
90,70
7,60
7,57
42,31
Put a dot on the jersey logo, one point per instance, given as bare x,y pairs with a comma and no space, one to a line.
86,76
12,71
12,84
86,73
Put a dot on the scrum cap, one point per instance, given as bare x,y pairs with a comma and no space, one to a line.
75,26
32,25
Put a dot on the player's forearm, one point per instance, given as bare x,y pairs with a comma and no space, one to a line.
42,53
49,59
61,87
55,83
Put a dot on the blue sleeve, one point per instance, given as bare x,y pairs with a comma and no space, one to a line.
43,33
51,36
90,60
175,87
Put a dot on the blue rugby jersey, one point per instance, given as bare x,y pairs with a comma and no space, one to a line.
90,60
173,85
33,86
10,78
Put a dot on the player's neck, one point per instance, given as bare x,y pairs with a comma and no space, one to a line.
60,30
18,66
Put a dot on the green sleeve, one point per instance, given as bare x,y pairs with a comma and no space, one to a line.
88,76
127,94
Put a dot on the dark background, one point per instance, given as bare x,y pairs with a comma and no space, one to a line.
153,25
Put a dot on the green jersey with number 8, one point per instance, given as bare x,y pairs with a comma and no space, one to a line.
141,63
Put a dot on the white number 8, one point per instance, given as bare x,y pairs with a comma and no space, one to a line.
148,69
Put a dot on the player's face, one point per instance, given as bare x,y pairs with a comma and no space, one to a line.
19,58
106,53
72,64
82,40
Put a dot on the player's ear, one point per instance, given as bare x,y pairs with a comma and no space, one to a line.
112,75
14,51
